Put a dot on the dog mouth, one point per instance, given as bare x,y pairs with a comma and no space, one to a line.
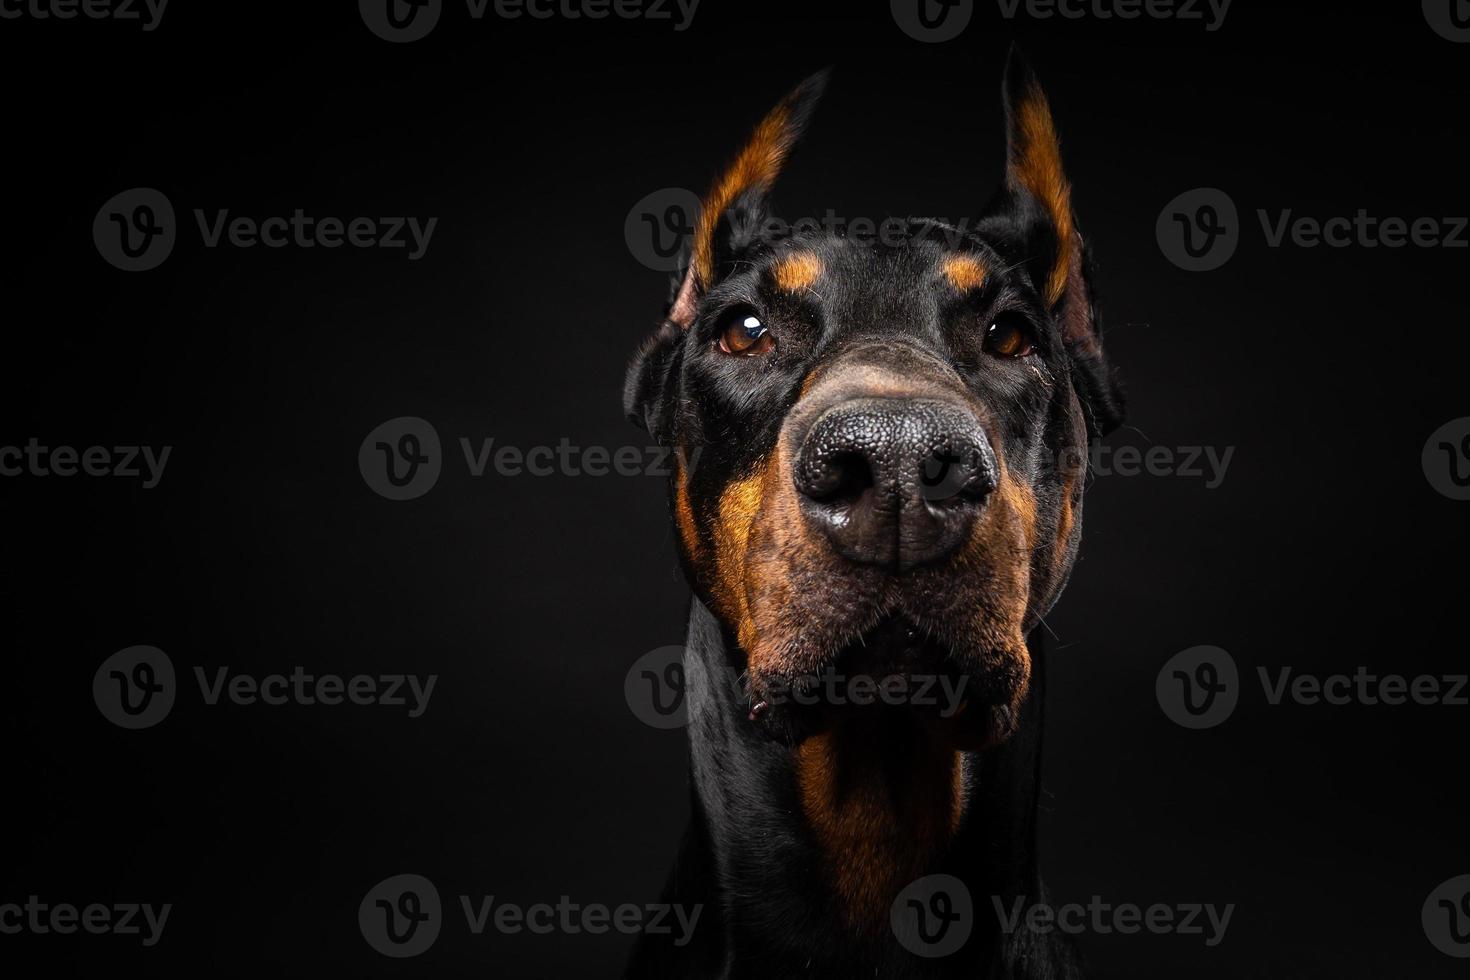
895,673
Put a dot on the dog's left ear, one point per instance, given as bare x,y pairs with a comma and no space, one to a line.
1034,210
730,218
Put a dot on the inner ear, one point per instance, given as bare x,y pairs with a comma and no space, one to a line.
1034,172
1034,215
735,208
686,301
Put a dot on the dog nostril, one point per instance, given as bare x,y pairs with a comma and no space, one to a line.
840,477
954,477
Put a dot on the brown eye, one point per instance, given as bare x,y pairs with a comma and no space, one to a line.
743,333
1009,336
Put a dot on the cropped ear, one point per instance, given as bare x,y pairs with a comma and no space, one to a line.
1035,206
730,217
738,201
643,386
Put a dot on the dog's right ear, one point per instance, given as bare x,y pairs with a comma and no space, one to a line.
729,220
1037,226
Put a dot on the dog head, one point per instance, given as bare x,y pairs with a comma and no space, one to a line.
890,437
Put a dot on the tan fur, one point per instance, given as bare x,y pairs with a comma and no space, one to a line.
1036,166
684,509
755,168
797,272
964,272
878,829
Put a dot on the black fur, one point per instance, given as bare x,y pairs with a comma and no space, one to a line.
749,858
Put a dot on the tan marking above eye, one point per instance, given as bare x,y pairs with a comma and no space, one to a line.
964,272
797,272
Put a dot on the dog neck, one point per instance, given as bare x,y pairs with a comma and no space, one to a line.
819,838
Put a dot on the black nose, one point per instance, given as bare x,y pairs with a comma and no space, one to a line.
895,482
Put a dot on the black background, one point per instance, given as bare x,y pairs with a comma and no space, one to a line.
528,777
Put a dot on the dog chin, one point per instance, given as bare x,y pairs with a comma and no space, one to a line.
897,674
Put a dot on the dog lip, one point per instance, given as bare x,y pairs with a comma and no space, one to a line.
891,645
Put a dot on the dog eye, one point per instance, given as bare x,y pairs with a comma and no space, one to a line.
1009,336
743,333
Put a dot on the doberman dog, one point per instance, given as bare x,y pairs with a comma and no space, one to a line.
892,447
